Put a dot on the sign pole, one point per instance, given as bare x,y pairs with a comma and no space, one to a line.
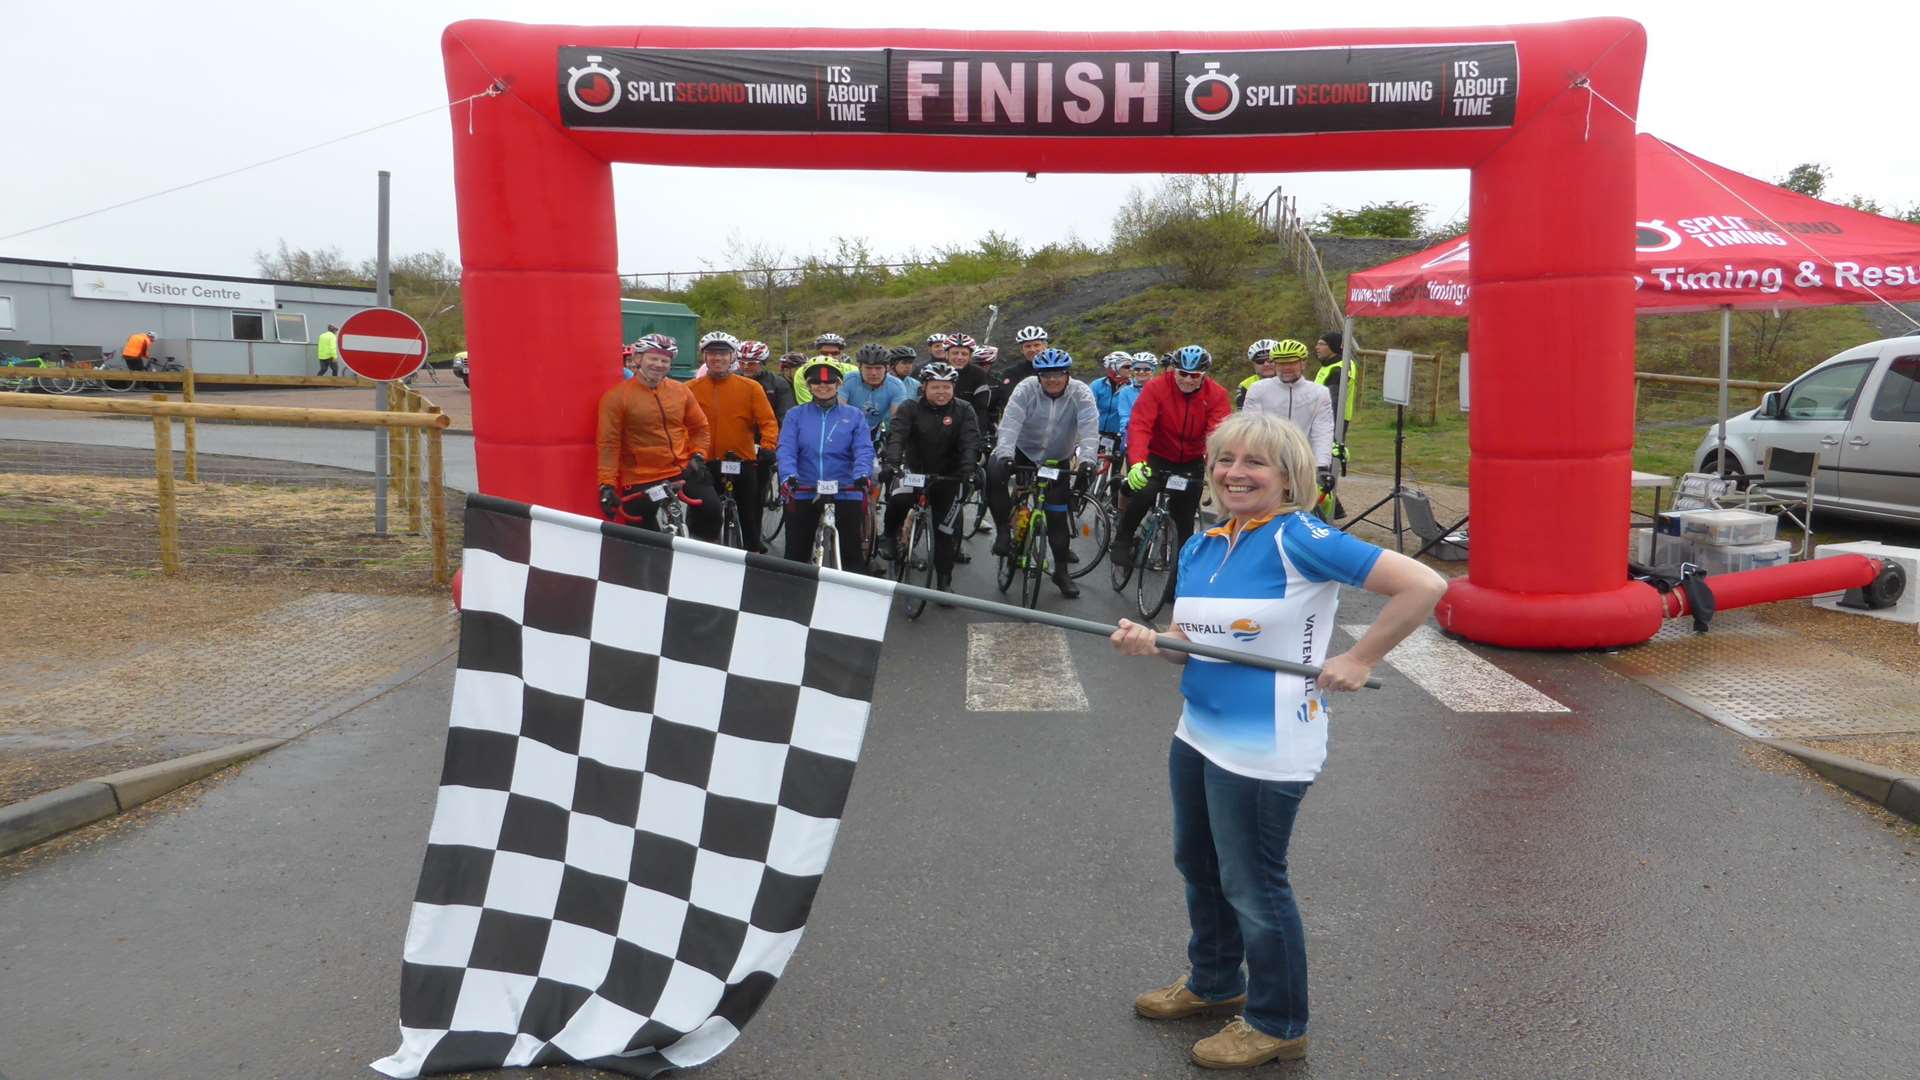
382,297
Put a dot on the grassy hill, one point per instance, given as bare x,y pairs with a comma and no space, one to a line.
1093,303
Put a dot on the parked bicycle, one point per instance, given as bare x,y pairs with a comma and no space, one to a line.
1156,552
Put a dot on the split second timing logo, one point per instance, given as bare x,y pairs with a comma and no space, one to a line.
1212,96
596,87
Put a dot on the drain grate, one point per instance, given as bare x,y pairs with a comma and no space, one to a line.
1770,682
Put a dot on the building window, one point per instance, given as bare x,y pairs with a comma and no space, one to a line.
249,326
6,312
292,326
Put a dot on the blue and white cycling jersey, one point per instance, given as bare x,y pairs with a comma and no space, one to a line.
1274,592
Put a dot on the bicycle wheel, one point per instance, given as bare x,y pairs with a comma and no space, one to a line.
730,534
1036,570
61,386
976,495
1155,582
916,561
773,515
1088,533
1010,562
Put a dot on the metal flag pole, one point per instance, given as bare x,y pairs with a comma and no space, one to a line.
1726,332
1047,618
382,297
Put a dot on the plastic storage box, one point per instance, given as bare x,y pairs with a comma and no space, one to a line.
1734,558
1674,550
1728,528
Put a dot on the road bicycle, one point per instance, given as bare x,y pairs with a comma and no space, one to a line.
732,534
826,534
913,564
672,498
89,382
1029,555
1156,552
20,383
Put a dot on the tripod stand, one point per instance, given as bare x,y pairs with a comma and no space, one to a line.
1393,496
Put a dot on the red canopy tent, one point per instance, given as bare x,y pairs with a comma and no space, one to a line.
1707,237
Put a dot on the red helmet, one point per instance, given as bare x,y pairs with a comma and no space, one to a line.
753,350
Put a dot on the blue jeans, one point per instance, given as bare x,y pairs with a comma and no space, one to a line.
1230,835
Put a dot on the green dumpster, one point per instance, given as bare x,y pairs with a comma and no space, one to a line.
677,321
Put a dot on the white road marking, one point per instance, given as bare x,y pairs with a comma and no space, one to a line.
1459,679
405,346
1021,667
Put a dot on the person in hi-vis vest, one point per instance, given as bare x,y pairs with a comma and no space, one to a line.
328,347
1342,380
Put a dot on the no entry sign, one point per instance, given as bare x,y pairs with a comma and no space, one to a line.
382,344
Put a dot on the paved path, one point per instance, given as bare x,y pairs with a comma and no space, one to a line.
315,446
1609,891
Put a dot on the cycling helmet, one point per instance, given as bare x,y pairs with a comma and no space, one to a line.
829,338
754,350
1114,361
823,366
937,339
659,343
872,353
1289,350
626,352
1192,358
986,354
1052,360
1030,333
1261,350
902,352
1145,361
961,341
791,360
939,371
720,338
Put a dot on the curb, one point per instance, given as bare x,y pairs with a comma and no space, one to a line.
30,821
1896,792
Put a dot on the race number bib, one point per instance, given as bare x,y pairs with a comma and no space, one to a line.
1176,483
1106,444
827,487
730,468
1048,472
659,493
913,480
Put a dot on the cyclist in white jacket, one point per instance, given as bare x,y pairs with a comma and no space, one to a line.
1290,397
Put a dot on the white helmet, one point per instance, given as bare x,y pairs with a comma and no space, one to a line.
1263,347
719,337
1114,361
1030,333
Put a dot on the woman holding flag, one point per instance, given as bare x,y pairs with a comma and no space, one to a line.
1249,741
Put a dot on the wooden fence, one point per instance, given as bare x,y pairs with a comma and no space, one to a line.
410,419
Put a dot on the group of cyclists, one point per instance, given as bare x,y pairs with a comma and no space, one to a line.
887,424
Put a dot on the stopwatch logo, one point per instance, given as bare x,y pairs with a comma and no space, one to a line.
1653,236
596,87
1213,96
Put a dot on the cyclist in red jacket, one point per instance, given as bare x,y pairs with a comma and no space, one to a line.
1167,437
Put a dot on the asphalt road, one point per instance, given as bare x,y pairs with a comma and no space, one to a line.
314,446
1609,892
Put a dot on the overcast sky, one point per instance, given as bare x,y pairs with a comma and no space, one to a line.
140,96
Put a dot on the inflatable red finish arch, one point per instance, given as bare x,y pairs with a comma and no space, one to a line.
1552,211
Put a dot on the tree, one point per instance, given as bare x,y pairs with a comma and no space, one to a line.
1807,178
322,266
1202,226
1863,203
1394,220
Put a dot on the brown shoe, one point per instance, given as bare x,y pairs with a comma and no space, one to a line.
1239,1046
1176,1002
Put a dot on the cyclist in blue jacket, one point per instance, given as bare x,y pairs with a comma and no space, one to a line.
825,439
876,392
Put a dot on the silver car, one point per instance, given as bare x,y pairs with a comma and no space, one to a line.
1860,411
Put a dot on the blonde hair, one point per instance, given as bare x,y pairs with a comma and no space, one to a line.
1281,442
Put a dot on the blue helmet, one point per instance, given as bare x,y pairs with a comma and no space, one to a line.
1053,360
1191,358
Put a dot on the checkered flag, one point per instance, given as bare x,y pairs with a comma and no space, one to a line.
650,746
